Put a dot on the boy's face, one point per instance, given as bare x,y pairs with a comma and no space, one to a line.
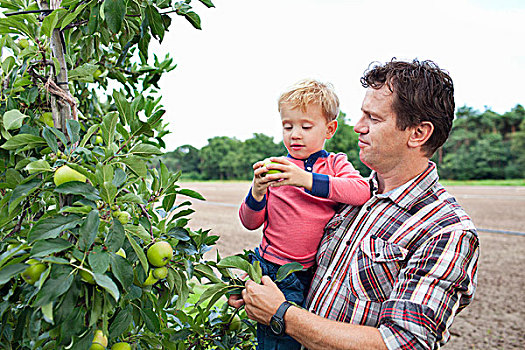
304,133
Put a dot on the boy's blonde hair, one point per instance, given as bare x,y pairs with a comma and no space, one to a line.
309,91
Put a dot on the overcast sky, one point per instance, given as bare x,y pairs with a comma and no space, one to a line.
230,74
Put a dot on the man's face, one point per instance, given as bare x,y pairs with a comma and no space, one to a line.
304,132
382,145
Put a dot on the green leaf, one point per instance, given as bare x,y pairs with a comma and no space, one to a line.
71,16
207,3
13,119
151,320
23,141
116,236
94,19
91,131
22,191
79,188
207,272
59,282
51,227
139,231
155,22
145,149
108,284
51,139
255,272
50,246
10,271
73,129
83,73
38,166
194,19
140,253
179,233
88,231
99,261
108,126
235,261
122,270
192,194
287,269
123,106
136,165
121,322
50,22
114,12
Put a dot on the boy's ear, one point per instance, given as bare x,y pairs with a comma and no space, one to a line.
331,127
420,134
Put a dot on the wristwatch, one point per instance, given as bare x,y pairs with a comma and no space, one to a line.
277,321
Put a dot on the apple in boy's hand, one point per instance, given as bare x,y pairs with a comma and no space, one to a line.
271,171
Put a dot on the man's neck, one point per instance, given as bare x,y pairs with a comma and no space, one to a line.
400,174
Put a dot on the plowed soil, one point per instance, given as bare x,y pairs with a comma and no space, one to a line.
496,317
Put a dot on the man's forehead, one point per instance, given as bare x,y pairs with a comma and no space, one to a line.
373,97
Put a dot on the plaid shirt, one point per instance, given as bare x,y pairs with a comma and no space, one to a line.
404,262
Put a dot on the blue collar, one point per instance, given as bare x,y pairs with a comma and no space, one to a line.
310,161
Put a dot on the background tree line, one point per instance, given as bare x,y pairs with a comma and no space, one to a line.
482,145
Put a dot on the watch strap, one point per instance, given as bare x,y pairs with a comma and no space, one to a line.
282,310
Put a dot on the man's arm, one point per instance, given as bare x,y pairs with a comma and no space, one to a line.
314,332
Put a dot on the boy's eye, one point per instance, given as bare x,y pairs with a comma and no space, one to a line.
307,127
287,127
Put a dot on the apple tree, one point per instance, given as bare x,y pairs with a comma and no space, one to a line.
95,248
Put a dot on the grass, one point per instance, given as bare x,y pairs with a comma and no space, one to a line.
509,182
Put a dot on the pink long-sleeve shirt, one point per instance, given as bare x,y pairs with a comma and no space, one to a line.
294,218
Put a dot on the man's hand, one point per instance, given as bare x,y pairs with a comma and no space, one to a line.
235,300
262,300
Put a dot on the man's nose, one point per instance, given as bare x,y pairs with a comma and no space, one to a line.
360,127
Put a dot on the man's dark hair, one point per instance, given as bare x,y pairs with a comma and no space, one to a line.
421,92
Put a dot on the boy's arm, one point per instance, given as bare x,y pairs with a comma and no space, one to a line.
252,212
345,186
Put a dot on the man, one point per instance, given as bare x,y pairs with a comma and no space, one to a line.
392,273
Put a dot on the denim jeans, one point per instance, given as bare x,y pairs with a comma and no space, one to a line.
295,288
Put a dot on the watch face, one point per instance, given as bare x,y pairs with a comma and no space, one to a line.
276,326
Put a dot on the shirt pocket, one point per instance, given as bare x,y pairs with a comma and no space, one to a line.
375,268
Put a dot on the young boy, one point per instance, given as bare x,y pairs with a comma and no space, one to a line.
296,203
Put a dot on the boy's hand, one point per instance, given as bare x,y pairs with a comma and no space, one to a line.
260,181
290,175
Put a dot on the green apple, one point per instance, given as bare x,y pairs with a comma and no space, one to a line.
121,346
160,272
122,253
235,324
97,73
271,171
98,140
100,341
123,217
150,280
33,272
160,253
66,174
86,276
23,44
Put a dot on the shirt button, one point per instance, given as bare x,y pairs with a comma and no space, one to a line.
378,255
347,242
309,168
329,278
368,208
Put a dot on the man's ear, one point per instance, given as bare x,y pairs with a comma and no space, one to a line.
420,134
331,127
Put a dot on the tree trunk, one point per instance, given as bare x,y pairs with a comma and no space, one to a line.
60,107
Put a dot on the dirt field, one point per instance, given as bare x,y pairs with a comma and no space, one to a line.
495,319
